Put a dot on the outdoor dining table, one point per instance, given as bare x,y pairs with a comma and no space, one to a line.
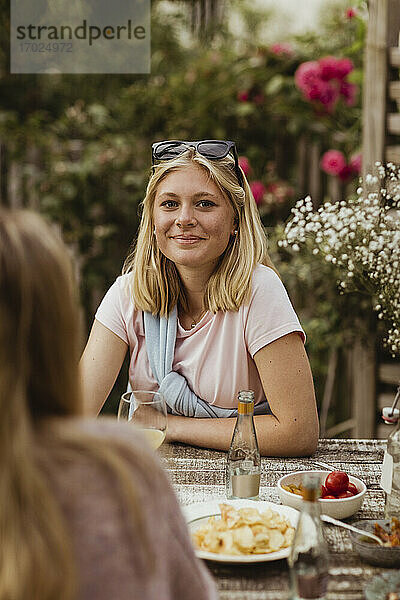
198,475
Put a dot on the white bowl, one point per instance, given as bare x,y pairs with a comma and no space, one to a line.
338,509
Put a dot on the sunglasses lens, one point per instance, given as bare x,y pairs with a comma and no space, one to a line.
168,150
213,149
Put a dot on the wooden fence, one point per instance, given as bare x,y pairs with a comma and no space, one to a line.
381,130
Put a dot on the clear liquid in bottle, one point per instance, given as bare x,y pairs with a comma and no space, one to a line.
243,464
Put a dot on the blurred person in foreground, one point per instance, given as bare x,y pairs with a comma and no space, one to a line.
86,512
202,310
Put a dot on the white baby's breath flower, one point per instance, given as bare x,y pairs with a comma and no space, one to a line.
361,236
370,179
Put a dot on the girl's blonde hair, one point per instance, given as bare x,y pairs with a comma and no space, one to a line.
156,285
39,353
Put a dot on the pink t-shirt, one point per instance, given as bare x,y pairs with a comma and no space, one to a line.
216,356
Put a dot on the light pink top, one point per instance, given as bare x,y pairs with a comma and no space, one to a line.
216,356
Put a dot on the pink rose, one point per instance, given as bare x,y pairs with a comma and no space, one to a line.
307,74
324,81
324,92
328,95
333,162
349,92
345,173
282,49
314,91
258,191
344,66
328,67
244,165
350,13
243,96
355,163
335,68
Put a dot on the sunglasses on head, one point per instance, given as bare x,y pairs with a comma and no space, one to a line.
211,149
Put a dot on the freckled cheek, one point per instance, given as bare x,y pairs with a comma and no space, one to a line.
162,224
221,234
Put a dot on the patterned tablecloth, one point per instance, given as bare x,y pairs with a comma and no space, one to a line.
199,475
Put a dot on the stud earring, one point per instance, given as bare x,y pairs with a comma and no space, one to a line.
154,230
235,232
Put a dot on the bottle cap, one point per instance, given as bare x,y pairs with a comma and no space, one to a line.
245,406
390,415
246,402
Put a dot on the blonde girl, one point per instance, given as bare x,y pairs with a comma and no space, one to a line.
201,260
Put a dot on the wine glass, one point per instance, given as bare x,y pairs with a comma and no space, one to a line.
148,411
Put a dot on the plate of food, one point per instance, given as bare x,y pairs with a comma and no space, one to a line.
388,530
241,531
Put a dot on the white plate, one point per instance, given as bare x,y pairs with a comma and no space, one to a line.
198,514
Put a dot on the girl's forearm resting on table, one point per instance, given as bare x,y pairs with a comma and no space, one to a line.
274,438
293,428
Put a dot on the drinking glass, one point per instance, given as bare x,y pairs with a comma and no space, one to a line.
148,411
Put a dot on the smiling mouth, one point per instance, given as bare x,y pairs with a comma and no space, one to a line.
186,239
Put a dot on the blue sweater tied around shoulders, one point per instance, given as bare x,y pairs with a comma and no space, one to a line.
160,335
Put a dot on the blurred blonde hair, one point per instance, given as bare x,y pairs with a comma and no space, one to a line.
155,284
39,353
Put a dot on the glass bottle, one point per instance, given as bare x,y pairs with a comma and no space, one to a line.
390,480
308,559
243,464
